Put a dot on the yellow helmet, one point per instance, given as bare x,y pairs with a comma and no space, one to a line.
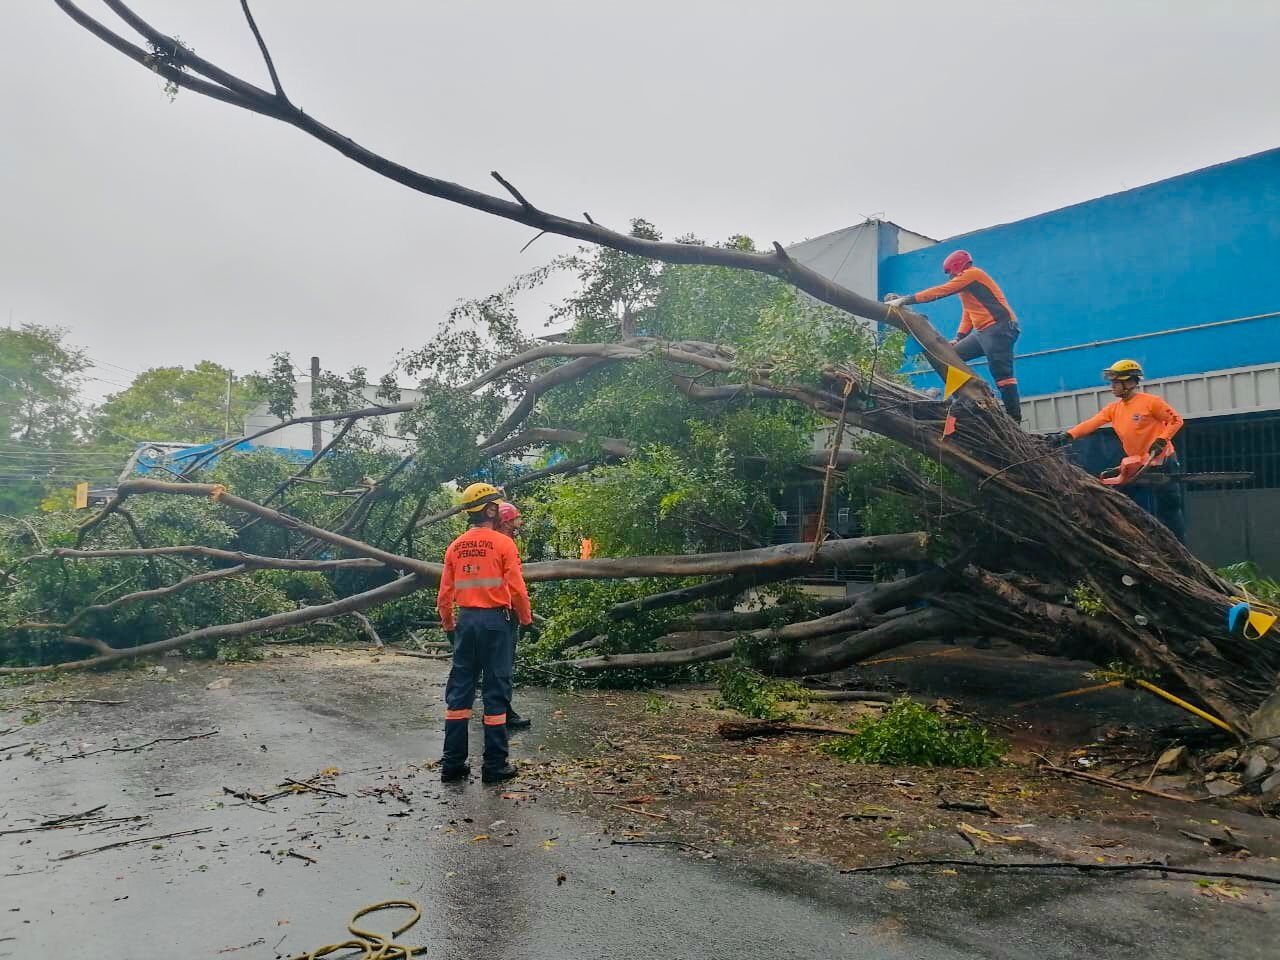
1123,370
473,496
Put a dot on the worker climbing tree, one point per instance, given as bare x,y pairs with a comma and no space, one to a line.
988,327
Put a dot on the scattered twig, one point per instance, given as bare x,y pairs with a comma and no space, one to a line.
311,786
300,856
113,703
14,746
1150,867
656,843
73,816
1114,784
871,696
970,841
734,730
968,806
106,822
424,656
643,813
128,843
133,749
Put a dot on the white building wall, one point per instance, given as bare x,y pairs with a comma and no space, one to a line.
298,435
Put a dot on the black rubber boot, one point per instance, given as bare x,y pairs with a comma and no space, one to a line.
453,774
517,722
1012,401
497,776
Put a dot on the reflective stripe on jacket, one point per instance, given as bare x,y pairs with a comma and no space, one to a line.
1139,420
982,299
482,569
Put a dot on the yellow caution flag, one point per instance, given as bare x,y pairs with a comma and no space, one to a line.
956,379
1260,622
82,496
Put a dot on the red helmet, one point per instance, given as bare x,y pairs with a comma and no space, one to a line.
957,261
507,512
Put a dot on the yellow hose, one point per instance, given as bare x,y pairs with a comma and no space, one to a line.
1179,702
374,946
1070,693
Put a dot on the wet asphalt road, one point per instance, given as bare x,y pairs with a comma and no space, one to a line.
500,897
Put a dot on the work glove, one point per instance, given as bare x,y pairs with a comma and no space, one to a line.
1059,439
896,301
1157,447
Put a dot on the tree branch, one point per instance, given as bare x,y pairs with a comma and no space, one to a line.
266,54
276,621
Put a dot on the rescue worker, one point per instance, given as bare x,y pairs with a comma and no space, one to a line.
988,326
1145,425
509,522
482,577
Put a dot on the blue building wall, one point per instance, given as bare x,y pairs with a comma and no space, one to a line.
1197,248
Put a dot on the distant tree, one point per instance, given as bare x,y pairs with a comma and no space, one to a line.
177,404
40,413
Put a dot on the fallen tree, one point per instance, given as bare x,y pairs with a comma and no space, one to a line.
1019,531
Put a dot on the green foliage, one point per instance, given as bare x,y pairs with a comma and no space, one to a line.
909,734
1248,577
277,386
1085,599
657,704
174,403
755,695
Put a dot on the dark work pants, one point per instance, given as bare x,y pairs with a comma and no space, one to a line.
996,344
1163,501
484,650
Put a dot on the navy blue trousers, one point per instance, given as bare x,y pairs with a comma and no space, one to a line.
996,344
1164,502
484,650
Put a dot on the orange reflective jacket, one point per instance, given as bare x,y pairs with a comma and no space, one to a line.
1139,420
482,569
983,301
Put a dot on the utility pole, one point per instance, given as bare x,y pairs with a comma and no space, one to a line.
315,427
226,432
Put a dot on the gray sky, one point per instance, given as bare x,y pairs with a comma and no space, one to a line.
165,233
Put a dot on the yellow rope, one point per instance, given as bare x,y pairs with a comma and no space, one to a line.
374,946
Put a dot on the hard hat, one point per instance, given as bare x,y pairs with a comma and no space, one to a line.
957,261
507,512
477,492
1124,370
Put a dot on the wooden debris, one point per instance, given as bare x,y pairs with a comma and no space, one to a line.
743,730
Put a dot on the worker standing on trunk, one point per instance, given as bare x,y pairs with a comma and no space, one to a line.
509,522
482,577
988,326
1145,425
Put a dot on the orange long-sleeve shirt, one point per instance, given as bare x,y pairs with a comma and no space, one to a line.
980,296
1139,420
482,569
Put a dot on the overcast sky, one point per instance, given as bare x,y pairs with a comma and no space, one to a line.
166,233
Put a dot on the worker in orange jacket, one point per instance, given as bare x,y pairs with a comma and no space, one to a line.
1145,426
988,326
510,523
482,578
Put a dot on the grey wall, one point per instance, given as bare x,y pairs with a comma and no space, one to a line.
1225,526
